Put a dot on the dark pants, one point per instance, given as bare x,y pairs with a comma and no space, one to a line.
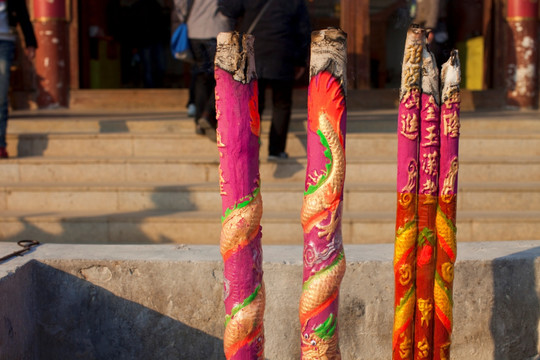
204,51
7,51
281,112
153,62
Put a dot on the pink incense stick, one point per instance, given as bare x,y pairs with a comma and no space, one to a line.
238,143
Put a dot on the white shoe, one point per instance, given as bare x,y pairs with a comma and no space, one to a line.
191,110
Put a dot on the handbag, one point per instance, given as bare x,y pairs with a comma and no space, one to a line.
180,44
180,47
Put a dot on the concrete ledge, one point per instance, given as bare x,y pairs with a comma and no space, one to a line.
165,302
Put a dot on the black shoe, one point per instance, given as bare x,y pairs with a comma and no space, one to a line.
275,157
199,130
208,129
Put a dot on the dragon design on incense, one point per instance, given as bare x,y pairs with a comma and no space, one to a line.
326,194
321,344
241,225
239,228
322,201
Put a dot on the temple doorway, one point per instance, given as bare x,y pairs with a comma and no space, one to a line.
124,44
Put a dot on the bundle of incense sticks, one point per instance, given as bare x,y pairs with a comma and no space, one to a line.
238,143
324,258
424,251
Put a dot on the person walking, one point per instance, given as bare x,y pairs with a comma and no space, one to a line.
204,23
148,30
12,12
282,33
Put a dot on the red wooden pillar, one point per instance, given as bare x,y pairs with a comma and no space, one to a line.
52,61
521,68
355,22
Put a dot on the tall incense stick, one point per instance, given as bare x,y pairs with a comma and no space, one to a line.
324,258
446,212
407,187
238,143
428,159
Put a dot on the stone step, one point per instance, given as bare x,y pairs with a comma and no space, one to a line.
276,197
197,168
357,145
174,121
193,227
122,122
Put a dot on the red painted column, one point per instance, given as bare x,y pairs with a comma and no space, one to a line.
521,69
52,67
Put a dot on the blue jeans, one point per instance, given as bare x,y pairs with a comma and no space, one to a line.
7,52
153,62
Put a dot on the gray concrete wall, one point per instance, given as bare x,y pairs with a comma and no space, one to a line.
165,302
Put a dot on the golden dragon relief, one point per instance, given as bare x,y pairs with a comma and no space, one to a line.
327,197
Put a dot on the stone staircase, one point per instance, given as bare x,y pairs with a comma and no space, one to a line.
112,176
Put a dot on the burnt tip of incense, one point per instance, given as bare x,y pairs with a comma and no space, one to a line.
417,29
450,76
454,58
234,54
430,75
329,34
452,65
329,53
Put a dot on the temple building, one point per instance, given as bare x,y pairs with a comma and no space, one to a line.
95,45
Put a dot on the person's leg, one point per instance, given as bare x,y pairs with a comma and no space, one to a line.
204,88
199,79
191,101
281,116
7,49
207,119
146,59
210,107
262,85
158,65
